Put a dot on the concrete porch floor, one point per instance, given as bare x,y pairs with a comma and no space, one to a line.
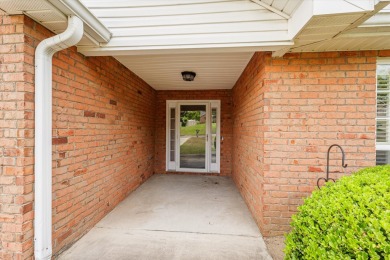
175,217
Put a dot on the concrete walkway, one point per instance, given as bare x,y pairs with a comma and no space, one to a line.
175,217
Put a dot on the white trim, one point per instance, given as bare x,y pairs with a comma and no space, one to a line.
301,18
169,166
179,49
272,9
281,52
43,134
215,167
323,7
359,35
379,146
383,147
364,5
383,61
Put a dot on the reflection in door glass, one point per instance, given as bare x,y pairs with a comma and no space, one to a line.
193,136
213,135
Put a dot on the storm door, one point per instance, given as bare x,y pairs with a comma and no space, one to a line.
193,136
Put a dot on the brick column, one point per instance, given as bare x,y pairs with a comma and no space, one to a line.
16,135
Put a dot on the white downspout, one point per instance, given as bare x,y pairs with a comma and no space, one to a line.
43,133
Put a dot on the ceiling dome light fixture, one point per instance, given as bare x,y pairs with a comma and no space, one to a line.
188,75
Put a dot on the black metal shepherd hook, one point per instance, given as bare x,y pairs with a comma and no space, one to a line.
327,165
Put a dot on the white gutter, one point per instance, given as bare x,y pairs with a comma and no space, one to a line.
94,28
43,133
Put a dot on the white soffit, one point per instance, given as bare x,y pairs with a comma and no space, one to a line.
213,71
52,14
39,10
365,28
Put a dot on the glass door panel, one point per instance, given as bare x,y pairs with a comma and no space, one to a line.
193,133
213,135
172,136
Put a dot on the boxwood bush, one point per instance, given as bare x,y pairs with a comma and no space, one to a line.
349,219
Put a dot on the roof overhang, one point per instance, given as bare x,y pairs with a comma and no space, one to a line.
345,25
53,15
228,31
160,27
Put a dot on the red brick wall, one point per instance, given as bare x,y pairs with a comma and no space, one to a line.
309,101
226,124
16,139
103,127
248,134
103,138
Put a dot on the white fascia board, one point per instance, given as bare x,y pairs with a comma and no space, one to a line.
377,20
93,27
180,49
325,7
381,18
300,18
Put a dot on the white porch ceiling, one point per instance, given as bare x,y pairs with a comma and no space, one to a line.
213,71
214,38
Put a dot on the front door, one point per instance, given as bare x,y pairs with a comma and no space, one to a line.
193,136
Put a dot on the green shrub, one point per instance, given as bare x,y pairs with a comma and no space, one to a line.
349,219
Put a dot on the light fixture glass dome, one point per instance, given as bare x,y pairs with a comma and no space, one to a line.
188,75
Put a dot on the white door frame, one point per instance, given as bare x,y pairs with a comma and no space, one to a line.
175,165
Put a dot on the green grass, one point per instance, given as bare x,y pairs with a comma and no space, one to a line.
194,145
191,130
